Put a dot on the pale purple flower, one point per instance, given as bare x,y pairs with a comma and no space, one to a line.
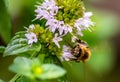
39,13
46,10
84,23
87,15
61,27
31,37
67,29
79,29
50,6
66,54
52,24
42,14
56,40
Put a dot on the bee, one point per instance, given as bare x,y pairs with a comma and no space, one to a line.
81,51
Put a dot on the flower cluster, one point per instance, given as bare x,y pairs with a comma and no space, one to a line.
62,18
49,10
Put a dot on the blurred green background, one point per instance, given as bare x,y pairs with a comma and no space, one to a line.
104,42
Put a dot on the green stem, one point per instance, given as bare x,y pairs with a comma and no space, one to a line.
15,78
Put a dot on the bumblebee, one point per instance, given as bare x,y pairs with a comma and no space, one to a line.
81,51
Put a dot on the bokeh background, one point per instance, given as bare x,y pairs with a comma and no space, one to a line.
104,41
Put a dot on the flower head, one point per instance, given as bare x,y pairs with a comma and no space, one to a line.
64,16
56,40
31,38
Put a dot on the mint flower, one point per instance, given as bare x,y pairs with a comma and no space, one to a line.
56,40
67,29
31,38
53,25
46,10
64,16
50,6
41,13
84,23
67,55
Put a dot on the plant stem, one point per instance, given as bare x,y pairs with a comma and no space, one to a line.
15,78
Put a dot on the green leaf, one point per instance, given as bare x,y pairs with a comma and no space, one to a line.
5,23
16,6
1,80
52,59
23,79
62,79
51,71
21,66
42,57
19,44
2,49
31,69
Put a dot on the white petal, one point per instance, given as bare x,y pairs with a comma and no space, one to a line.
56,40
32,26
31,37
88,14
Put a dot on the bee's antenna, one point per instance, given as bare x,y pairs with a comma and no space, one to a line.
78,40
